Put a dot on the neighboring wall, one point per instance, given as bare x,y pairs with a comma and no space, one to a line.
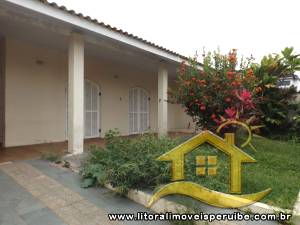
36,96
2,89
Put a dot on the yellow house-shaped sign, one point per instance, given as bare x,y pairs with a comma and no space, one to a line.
227,146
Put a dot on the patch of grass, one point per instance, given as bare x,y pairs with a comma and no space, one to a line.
52,157
277,167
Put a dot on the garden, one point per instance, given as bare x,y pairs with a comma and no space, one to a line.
221,88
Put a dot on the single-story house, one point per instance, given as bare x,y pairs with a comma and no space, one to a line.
65,76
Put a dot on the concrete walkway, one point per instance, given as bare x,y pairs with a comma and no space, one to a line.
36,193
19,207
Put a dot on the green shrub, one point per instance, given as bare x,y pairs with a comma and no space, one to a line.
228,88
128,163
224,88
276,103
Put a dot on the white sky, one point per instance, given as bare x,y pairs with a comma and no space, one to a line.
255,27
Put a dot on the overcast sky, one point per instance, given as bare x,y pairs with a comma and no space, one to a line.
255,27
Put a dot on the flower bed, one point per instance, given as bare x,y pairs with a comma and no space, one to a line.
130,164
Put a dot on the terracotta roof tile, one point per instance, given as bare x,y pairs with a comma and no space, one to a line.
53,4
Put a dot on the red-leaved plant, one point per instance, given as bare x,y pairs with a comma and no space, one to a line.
217,90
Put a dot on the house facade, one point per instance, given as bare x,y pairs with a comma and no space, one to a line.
64,76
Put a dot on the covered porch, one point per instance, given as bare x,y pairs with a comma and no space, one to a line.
37,151
66,79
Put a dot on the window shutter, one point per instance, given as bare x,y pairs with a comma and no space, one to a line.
131,114
91,110
94,112
138,110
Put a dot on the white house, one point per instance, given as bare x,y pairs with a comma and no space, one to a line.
65,76
290,81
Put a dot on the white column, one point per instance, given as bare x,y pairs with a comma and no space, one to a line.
76,94
162,100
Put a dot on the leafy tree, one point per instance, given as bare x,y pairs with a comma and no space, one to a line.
276,103
223,88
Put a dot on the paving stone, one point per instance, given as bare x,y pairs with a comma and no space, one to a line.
8,216
99,197
85,207
42,217
56,197
16,202
28,205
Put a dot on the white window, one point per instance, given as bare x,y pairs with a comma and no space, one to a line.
138,111
91,110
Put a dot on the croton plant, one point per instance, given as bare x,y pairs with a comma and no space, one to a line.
220,89
224,88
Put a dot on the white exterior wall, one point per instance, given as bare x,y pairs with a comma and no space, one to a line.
34,106
115,82
36,98
178,120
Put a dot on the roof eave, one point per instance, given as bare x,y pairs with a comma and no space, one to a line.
86,23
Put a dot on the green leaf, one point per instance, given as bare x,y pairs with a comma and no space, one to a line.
283,115
88,182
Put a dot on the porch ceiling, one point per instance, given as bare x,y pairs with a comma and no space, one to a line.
26,25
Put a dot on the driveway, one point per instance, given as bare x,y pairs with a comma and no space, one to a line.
36,193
